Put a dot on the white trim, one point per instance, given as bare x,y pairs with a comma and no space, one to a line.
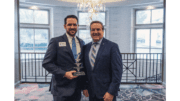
145,4
164,83
33,3
132,31
130,5
51,24
107,23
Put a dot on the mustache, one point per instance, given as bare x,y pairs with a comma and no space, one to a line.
96,34
72,29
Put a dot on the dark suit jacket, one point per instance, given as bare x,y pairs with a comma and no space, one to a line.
57,61
107,72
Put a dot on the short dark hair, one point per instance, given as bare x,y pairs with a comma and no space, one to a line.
70,16
97,22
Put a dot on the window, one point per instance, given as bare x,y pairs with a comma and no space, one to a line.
34,16
149,40
149,16
84,20
33,40
34,30
149,31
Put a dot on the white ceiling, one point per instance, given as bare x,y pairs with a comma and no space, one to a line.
114,4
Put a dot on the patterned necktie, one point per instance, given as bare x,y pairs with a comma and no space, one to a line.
93,55
74,48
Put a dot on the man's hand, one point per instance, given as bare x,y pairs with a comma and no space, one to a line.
108,97
85,92
69,75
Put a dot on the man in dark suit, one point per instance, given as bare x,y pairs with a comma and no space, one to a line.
103,66
60,61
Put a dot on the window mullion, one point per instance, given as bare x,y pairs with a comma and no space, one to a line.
34,40
150,41
151,17
33,17
34,31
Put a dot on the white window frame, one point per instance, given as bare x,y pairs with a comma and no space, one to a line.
145,26
38,26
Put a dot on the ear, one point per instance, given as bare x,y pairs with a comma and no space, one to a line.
64,26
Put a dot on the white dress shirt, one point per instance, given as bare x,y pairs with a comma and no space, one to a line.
78,48
97,48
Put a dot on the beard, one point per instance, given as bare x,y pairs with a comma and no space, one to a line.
70,33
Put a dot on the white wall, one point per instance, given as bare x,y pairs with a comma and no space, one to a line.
16,44
120,27
59,14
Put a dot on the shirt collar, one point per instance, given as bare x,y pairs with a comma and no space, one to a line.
69,37
99,42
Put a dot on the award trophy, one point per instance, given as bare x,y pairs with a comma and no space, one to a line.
78,73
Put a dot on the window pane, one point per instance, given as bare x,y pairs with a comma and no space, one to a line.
85,35
157,16
41,17
139,50
156,50
26,16
33,16
156,38
142,38
84,18
143,17
40,49
99,17
41,38
26,40
26,49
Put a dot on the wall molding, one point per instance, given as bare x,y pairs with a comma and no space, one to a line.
52,5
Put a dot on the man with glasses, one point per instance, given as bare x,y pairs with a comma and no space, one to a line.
60,58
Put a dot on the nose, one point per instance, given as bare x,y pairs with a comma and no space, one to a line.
95,31
72,26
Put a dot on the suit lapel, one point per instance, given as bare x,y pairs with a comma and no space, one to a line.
68,46
87,55
100,51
